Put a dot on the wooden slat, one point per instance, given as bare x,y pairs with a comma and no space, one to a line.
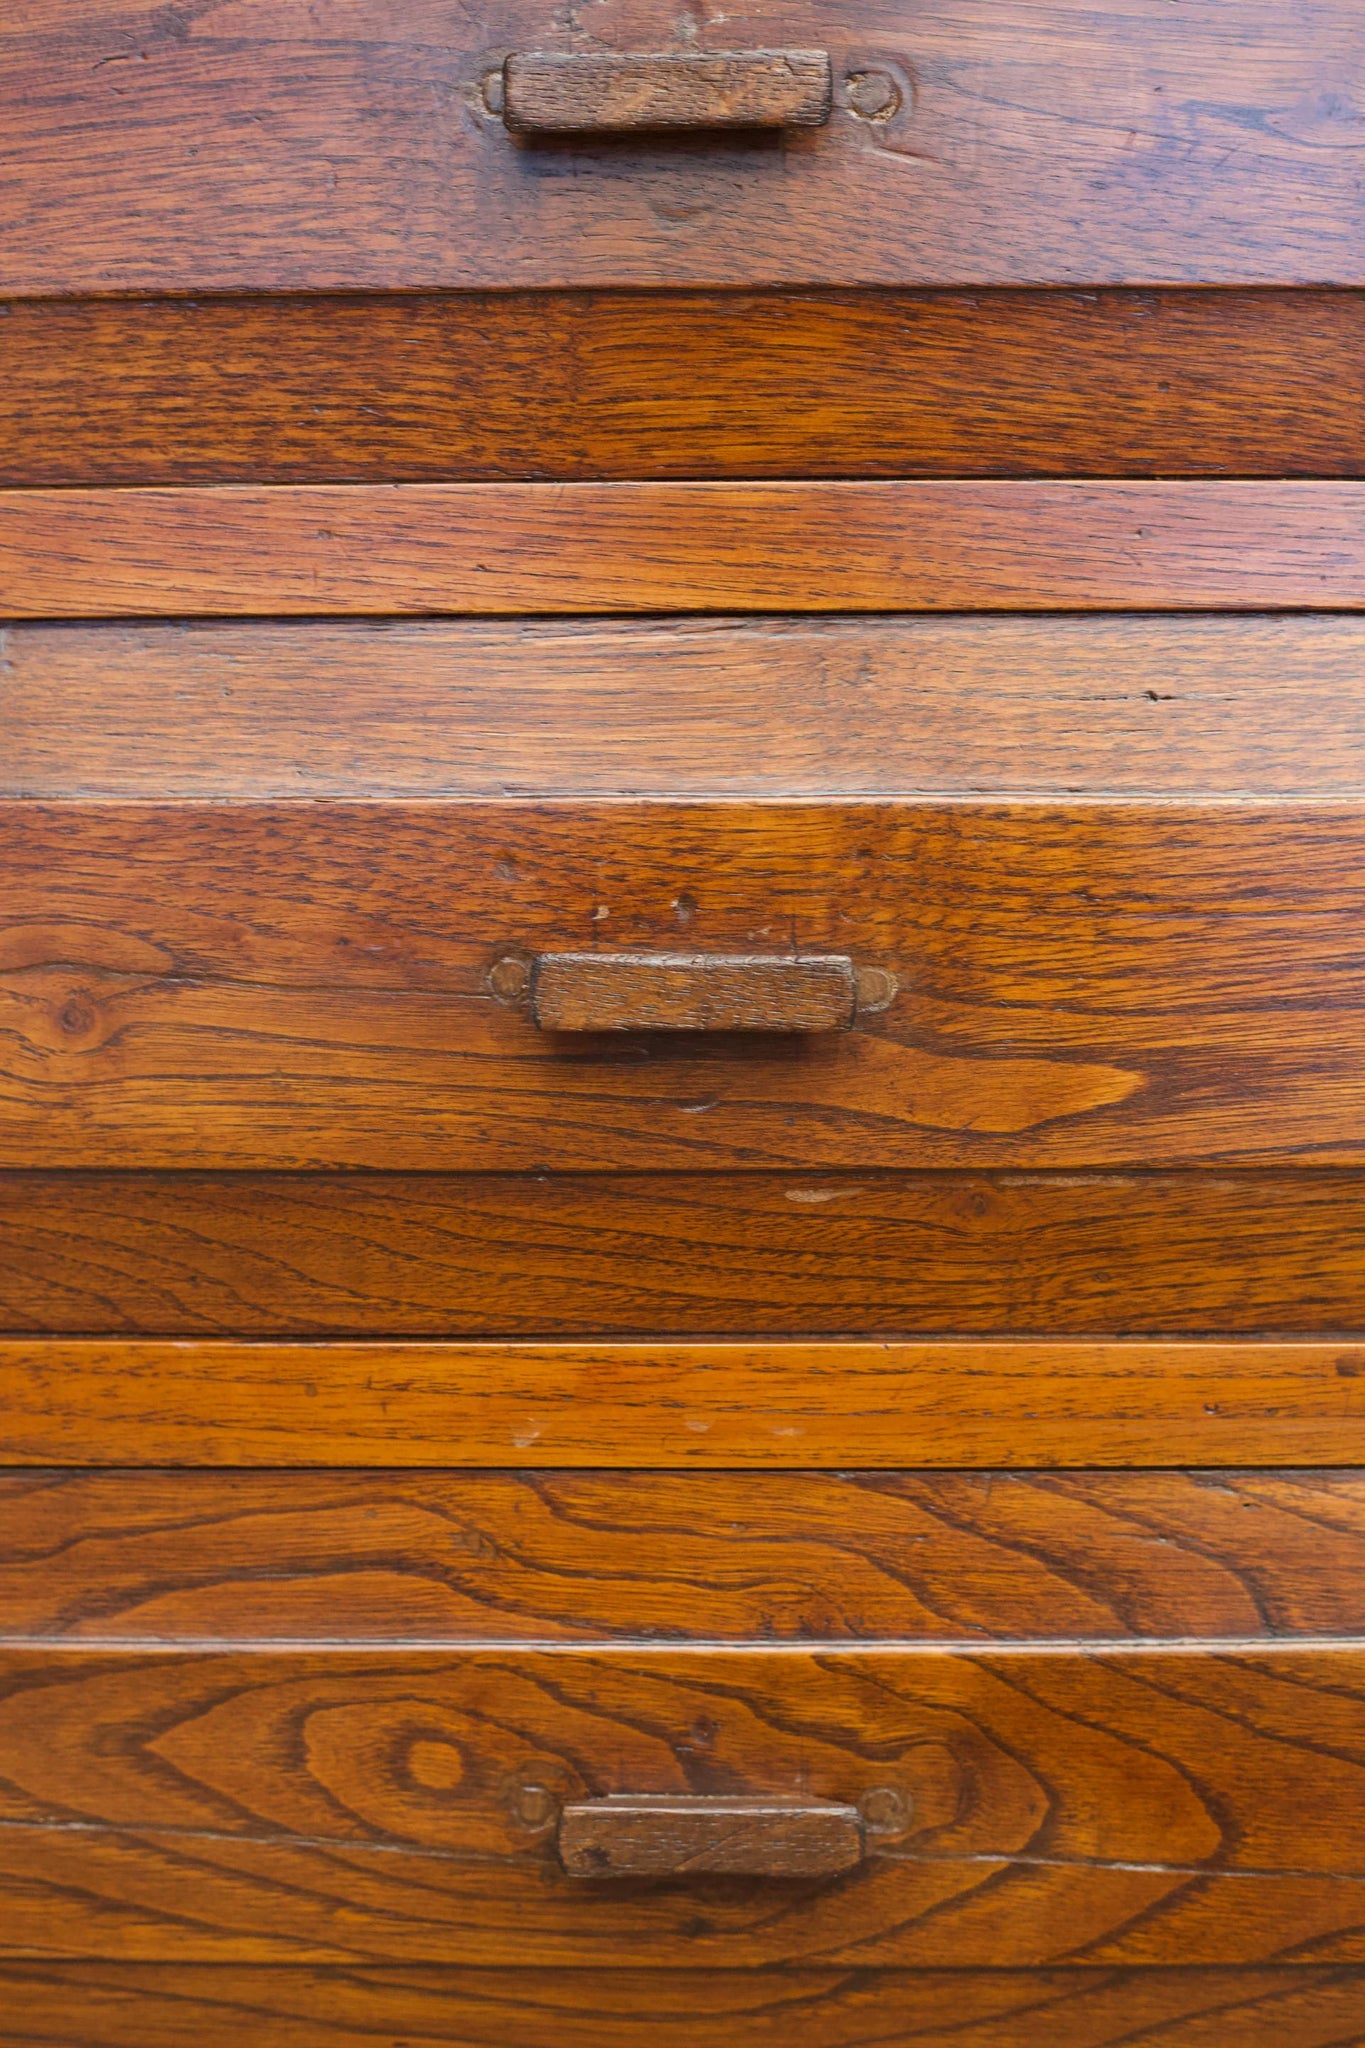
312,550
160,2005
1021,1403
295,986
551,1555
601,1255
427,387
709,708
1118,144
1037,1805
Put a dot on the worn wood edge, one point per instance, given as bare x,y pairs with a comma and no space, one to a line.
955,1402
528,549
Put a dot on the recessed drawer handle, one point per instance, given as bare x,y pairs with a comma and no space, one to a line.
691,991
608,93
659,1837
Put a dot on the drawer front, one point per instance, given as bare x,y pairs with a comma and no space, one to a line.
1054,985
1064,934
978,147
998,1807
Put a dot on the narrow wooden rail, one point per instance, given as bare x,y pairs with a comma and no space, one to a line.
1010,1403
526,548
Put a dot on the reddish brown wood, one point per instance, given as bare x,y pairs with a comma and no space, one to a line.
1137,144
612,92
776,1556
961,1402
805,547
580,992
151,2005
1024,1807
317,388
1001,706
1081,984
603,1255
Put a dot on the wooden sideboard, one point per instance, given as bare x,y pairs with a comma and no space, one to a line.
682,1026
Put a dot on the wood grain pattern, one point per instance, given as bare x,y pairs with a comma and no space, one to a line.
613,92
159,2005
1115,144
314,550
1035,1806
956,1402
304,987
418,387
773,707
746,1254
182,1558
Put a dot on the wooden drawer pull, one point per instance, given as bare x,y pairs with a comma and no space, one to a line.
606,93
660,1837
683,991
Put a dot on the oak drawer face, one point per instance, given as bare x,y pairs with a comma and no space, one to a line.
885,144
982,1807
1033,984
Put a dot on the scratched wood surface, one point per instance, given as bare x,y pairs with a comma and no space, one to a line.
780,707
448,1557
1020,1402
1105,383
991,145
1081,984
159,2005
1116,1804
315,550
595,1255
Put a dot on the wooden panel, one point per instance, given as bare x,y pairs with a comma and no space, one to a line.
1024,1807
445,1557
746,1254
295,986
720,708
607,92
1021,1403
592,384
150,2005
1105,144
316,549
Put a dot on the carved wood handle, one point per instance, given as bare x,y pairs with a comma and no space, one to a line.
625,1836
685,991
606,93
